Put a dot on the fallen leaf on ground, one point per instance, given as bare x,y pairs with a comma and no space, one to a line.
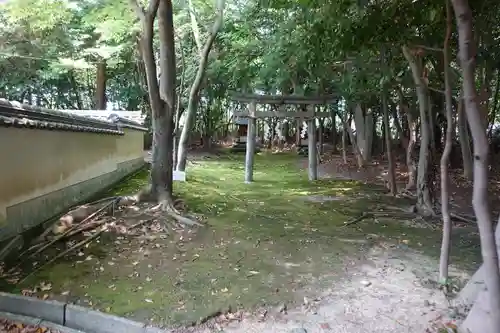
45,286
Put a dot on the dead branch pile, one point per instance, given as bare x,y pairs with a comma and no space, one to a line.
89,221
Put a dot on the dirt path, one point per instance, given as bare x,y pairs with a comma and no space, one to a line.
390,292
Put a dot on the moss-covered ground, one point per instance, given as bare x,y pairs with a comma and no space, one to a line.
264,244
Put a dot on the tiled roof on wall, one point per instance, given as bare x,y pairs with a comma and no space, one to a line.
22,115
134,116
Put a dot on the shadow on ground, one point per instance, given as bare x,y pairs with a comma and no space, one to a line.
265,243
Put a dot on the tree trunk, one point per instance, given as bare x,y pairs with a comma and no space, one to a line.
157,108
387,132
179,109
163,132
410,162
380,146
424,195
334,130
344,134
496,95
194,94
274,123
321,130
75,90
490,321
463,135
445,158
364,131
407,140
100,91
355,148
432,125
297,131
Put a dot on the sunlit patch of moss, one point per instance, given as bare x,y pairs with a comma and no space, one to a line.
131,185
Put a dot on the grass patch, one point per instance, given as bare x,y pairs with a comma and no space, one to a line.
264,244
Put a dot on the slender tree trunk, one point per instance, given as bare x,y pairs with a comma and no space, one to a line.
445,158
274,123
380,144
410,162
334,130
424,195
496,95
364,131
75,90
392,172
158,185
463,135
407,140
321,129
179,109
432,125
297,131
100,91
194,94
355,147
480,203
344,139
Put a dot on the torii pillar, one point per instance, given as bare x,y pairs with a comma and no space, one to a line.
250,150
312,151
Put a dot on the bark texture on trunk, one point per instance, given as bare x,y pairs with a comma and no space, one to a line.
321,129
355,148
463,136
298,129
410,162
445,158
344,138
334,130
100,91
424,193
485,314
387,132
161,174
408,138
364,131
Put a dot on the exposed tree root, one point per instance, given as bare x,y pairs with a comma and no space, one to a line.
168,206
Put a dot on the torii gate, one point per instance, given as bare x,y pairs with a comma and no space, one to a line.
310,115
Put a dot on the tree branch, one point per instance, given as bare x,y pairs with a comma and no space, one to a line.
436,90
139,11
152,8
194,26
435,49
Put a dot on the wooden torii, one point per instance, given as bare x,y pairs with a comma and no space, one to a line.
310,115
